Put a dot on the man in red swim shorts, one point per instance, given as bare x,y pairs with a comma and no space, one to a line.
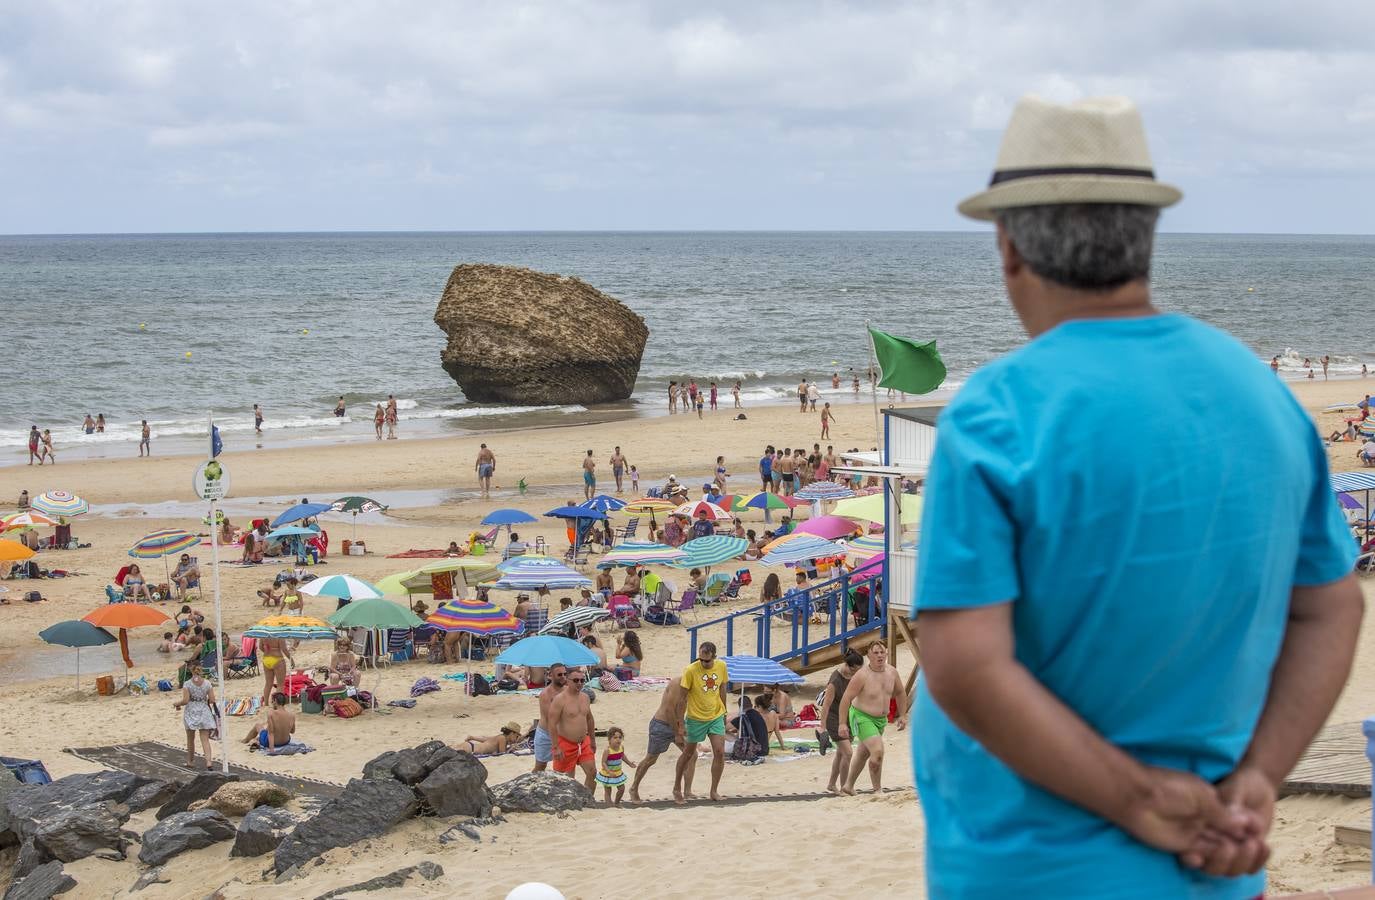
574,730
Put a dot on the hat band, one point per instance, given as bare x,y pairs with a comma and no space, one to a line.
1006,175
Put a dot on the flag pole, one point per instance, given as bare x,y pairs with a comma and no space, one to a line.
219,619
873,385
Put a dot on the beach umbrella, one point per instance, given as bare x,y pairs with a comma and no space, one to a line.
125,616
291,531
780,541
164,544
744,669
575,512
545,650
806,547
709,551
301,511
342,587
13,551
475,617
474,570
866,546
30,519
828,527
507,517
355,505
76,633
59,505
631,553
1367,427
575,617
603,503
702,508
648,505
870,508
1353,481
375,612
765,500
824,490
530,573
294,628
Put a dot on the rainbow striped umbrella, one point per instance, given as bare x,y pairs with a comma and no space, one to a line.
293,628
1367,427
163,543
763,500
475,617
631,553
59,505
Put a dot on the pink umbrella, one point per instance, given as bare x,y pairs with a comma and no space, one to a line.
829,527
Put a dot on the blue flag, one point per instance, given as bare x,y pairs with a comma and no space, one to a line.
216,445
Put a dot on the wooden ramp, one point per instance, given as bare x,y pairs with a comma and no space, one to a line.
1334,764
829,656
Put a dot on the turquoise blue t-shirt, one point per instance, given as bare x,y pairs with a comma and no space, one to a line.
1146,493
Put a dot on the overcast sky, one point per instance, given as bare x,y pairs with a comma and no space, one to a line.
287,115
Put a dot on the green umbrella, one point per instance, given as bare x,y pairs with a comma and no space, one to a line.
375,613
76,633
356,504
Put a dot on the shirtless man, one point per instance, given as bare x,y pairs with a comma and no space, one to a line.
618,467
574,730
802,394
665,728
864,713
486,464
836,687
281,725
786,467
589,476
273,657
544,743
497,743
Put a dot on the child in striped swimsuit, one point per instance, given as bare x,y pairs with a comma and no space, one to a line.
611,774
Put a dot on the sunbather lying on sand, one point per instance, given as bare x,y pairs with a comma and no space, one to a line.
504,742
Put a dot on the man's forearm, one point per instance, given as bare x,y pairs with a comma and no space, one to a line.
1314,661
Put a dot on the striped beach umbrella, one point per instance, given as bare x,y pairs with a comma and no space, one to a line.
342,587
59,505
530,573
806,547
779,541
649,505
1367,427
163,543
1353,481
696,509
824,490
867,546
748,669
292,628
631,553
603,503
710,550
30,519
575,617
475,617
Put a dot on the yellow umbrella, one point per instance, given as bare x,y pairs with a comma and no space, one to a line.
13,551
870,508
417,581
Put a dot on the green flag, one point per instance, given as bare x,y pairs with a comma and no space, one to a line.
907,365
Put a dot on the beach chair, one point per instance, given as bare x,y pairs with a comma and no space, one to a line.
243,666
536,617
489,540
626,533
716,586
622,609
687,604
400,644
541,546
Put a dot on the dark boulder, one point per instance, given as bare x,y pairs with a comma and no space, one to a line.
366,808
458,788
74,834
202,787
48,880
34,804
261,831
540,792
411,765
183,831
425,869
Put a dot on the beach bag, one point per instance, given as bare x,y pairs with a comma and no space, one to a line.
657,615
478,686
165,684
365,699
609,682
346,708
508,684
746,748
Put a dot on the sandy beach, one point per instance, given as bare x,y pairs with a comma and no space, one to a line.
595,853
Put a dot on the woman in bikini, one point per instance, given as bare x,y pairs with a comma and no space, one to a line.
134,585
274,656
498,743
344,663
378,418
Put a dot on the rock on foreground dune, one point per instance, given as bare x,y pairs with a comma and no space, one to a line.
531,339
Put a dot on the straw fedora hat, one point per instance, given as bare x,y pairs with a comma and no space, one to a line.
1091,151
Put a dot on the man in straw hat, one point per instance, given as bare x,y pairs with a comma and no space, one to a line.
1129,634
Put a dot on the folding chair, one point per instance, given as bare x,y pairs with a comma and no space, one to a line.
632,525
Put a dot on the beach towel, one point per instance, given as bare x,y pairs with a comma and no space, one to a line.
244,706
424,686
419,554
404,704
455,676
291,749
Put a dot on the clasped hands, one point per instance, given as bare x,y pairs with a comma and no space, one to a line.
1217,829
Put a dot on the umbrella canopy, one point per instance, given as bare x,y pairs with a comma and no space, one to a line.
824,490
354,504
1367,428
867,546
475,617
545,650
576,617
28,519
529,573
710,550
291,531
763,500
59,505
631,553
13,551
374,612
649,505
301,511
747,669
870,508
828,527
575,512
507,517
76,633
780,541
806,547
475,569
295,628
698,509
344,587
126,615
1353,481
163,543
603,503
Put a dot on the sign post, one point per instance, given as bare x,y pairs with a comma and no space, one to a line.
211,483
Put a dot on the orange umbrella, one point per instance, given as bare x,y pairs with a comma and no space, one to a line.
13,551
124,616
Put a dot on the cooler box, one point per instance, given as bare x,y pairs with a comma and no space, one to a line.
356,548
105,685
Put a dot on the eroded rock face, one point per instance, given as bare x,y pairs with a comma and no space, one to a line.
530,339
541,792
183,831
261,831
365,808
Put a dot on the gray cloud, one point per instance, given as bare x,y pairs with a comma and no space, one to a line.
168,116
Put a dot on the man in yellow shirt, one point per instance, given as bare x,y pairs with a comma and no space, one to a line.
705,683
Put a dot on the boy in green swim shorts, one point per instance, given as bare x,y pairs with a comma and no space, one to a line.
705,720
864,713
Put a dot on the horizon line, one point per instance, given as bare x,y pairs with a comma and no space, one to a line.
401,229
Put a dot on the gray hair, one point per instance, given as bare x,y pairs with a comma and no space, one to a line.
1086,246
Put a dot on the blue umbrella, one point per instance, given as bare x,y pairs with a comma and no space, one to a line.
545,650
602,503
76,633
575,512
300,511
748,669
530,573
291,531
800,550
507,517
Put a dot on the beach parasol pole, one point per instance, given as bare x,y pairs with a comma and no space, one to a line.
873,386
219,620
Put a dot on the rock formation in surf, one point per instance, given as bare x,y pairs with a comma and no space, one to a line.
531,339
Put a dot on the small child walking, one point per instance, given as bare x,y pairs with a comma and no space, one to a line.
611,774
634,481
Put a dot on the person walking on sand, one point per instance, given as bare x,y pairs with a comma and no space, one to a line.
827,417
829,733
802,394
589,476
257,418
145,439
665,729
544,741
47,448
864,714
705,720
618,468
392,416
485,465
1115,717
379,417
198,716
575,730
735,392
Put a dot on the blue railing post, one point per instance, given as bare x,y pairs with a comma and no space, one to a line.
1368,728
692,632
730,636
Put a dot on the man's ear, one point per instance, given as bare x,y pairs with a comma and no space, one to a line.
1013,264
